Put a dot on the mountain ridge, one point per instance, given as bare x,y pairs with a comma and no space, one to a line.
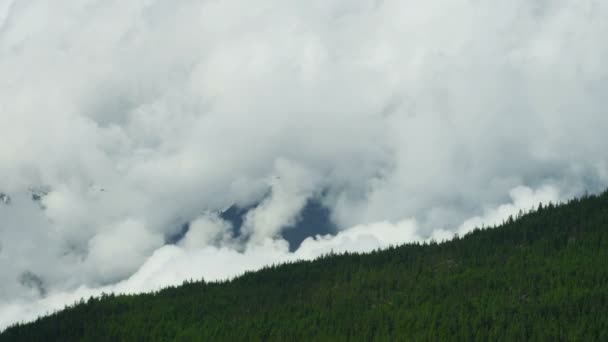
540,275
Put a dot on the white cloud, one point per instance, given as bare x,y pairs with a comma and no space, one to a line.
118,251
139,116
207,230
290,188
199,257
524,200
171,265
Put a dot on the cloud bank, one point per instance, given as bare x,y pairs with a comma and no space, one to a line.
120,121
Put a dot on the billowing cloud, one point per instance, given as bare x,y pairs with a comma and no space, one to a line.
199,256
523,200
121,122
172,265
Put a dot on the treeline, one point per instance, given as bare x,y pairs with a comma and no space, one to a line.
541,276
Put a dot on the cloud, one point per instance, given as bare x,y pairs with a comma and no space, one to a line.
129,119
524,200
170,265
118,251
199,257
290,189
207,252
207,230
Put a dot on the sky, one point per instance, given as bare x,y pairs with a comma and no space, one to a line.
122,121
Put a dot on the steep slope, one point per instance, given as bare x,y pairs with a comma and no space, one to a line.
541,276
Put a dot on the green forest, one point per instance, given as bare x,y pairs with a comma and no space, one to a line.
542,275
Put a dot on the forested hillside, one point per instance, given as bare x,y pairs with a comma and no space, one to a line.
543,275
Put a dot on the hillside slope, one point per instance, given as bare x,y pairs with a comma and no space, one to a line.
541,276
